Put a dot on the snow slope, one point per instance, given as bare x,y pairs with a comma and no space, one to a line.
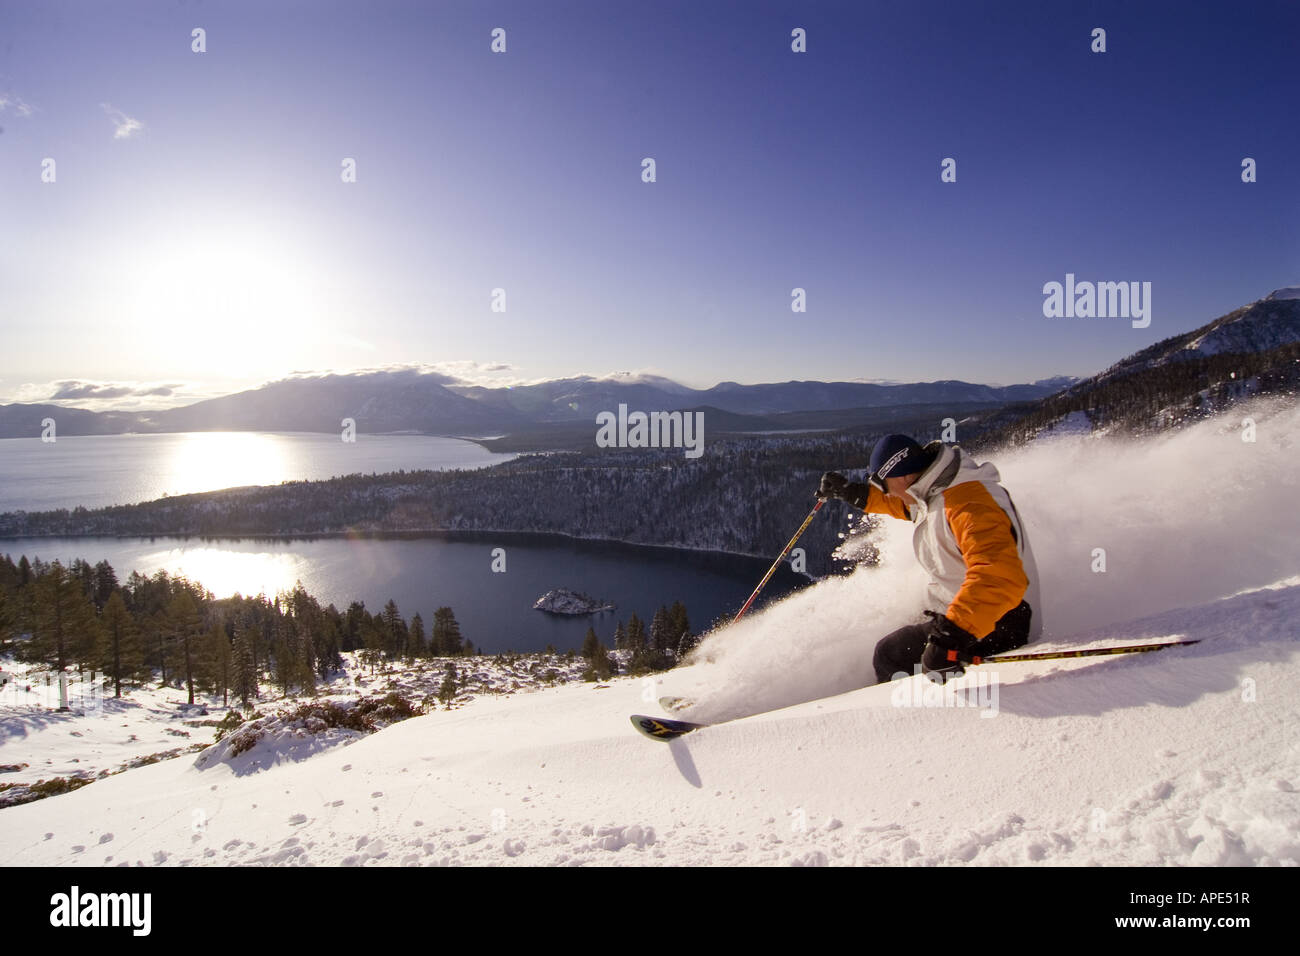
1185,756
99,735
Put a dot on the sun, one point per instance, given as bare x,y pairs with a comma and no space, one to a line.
232,300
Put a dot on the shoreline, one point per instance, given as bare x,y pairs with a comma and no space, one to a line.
448,534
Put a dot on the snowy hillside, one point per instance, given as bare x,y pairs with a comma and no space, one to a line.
1272,322
42,748
1185,756
1266,324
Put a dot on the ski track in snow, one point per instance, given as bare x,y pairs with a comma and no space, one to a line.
1185,756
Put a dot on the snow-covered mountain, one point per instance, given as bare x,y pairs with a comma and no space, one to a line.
1263,325
1184,757
1250,351
583,397
416,400
385,401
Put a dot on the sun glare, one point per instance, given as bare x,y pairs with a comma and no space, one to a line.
232,301
225,572
205,461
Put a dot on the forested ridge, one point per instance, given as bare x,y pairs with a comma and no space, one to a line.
1138,398
744,496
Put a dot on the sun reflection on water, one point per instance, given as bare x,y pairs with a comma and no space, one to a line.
204,461
226,572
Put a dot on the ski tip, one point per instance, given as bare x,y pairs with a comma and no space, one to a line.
657,728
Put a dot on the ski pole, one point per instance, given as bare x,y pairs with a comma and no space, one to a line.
781,557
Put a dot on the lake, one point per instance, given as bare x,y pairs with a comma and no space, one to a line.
421,573
100,470
424,573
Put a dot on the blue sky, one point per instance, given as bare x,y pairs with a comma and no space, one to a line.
198,233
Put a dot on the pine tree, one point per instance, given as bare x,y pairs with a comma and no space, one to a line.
644,657
678,623
308,623
446,633
183,624
679,627
352,621
285,658
64,629
84,573
394,628
306,657
447,692
602,665
120,652
620,637
373,651
590,644
154,628
328,656
419,644
636,637
660,636
105,584
24,613
219,659
243,666
7,620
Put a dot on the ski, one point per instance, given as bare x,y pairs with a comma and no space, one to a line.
1086,652
661,728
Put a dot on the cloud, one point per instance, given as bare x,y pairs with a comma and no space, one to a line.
12,102
123,125
397,370
65,391
76,389
99,396
461,372
470,372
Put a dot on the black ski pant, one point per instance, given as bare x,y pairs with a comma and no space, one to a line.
898,654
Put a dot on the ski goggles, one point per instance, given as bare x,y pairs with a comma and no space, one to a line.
875,481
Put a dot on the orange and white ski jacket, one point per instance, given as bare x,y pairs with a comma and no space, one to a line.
970,539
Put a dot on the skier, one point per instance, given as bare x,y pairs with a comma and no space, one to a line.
983,591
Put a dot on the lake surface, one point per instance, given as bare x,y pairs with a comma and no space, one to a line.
422,574
100,470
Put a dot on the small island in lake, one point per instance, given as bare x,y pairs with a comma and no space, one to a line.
564,601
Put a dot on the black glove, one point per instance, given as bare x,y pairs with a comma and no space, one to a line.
835,485
948,649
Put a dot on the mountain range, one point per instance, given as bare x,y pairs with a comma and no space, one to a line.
409,400
561,413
